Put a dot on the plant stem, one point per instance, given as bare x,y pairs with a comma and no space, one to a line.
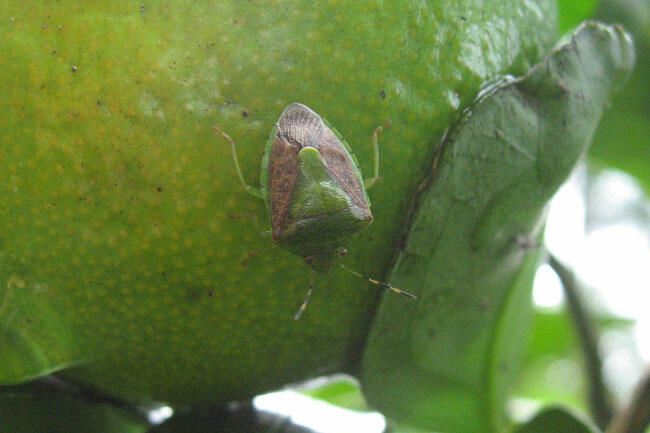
635,418
599,402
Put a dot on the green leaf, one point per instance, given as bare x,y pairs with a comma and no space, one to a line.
543,341
33,339
548,324
47,409
446,362
558,420
548,361
343,393
572,12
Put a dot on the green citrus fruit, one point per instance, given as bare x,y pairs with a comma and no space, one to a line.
119,257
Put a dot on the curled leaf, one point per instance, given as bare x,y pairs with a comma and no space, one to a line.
445,362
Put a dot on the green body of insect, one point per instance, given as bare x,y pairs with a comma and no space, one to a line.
313,189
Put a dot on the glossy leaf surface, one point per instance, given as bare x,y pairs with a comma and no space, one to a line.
446,361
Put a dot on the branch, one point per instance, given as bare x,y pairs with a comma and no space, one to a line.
599,402
636,417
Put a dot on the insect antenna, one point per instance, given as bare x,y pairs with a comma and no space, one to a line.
379,283
304,303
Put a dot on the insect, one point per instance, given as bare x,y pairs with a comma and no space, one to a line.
313,190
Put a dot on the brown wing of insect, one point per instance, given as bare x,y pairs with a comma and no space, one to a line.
298,127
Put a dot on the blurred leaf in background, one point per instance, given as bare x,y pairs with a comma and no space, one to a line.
552,369
622,140
51,406
558,420
572,12
341,392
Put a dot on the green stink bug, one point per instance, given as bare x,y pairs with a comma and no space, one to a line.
313,190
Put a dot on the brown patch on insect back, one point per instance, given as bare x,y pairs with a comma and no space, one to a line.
299,127
342,169
283,175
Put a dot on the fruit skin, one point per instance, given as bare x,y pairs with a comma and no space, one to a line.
117,251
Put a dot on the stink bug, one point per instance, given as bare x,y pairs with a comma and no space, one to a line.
313,190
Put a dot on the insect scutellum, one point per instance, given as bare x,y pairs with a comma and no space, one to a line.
313,190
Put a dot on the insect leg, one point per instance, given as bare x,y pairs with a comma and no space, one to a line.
379,283
304,303
370,182
255,192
